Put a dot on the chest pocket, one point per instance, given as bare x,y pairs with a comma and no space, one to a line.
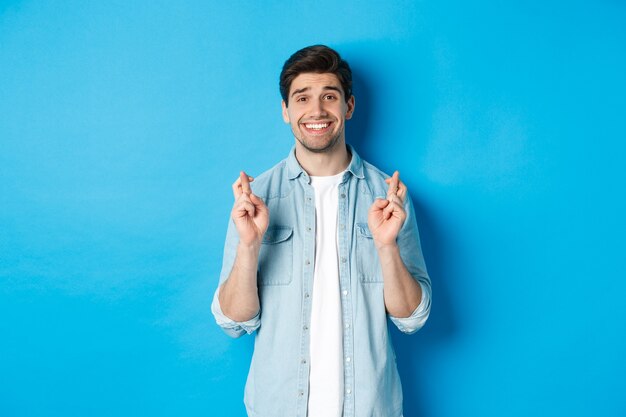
367,263
276,256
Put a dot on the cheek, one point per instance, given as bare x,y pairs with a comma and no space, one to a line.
295,118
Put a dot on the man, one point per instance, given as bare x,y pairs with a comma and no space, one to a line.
321,250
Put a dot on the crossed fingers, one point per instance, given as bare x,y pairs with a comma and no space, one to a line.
244,206
396,194
397,189
242,185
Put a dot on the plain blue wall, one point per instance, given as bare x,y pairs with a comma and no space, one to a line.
122,126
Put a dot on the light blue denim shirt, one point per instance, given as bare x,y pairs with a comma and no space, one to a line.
278,380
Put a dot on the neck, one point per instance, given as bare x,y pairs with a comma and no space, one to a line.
324,164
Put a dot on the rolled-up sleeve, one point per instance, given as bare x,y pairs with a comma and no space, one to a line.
231,327
417,319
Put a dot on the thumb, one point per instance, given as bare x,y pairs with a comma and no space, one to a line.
256,200
381,203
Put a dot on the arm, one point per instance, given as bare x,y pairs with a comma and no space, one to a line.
238,296
402,292
406,285
236,303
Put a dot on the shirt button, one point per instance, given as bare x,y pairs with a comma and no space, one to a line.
347,325
343,195
306,295
308,229
348,359
307,262
344,292
303,361
300,393
343,259
348,391
305,327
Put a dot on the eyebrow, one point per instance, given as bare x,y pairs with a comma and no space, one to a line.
328,87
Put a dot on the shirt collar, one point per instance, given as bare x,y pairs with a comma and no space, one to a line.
294,169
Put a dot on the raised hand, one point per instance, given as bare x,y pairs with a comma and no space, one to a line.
250,214
386,216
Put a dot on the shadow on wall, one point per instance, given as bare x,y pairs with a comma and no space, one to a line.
411,351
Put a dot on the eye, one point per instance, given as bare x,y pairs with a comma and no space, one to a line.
329,97
301,99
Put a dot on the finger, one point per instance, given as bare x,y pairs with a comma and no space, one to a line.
393,184
250,209
388,211
237,190
394,199
379,204
244,207
257,201
260,209
394,208
402,191
245,183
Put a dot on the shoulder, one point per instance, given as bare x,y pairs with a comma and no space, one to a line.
375,179
272,183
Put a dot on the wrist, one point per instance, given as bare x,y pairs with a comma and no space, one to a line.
247,257
249,247
386,248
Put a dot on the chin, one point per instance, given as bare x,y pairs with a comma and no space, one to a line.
319,147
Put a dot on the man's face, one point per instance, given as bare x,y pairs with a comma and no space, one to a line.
317,111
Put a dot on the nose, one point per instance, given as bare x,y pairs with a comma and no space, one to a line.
318,109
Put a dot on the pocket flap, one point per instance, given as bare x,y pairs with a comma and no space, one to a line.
277,234
364,230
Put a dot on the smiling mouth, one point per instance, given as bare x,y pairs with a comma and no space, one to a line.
317,127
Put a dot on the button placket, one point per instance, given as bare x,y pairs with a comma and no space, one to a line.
346,300
307,260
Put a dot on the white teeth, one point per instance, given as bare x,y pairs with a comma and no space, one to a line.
316,126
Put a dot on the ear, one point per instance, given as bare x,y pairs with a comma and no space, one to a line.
350,104
285,112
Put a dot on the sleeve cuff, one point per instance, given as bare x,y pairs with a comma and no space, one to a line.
231,327
417,319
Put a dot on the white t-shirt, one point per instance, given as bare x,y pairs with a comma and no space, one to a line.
326,344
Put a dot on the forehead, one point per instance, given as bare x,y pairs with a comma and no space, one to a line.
314,81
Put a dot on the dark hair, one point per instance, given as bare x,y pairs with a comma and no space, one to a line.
319,59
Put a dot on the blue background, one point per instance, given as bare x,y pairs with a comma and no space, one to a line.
123,125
